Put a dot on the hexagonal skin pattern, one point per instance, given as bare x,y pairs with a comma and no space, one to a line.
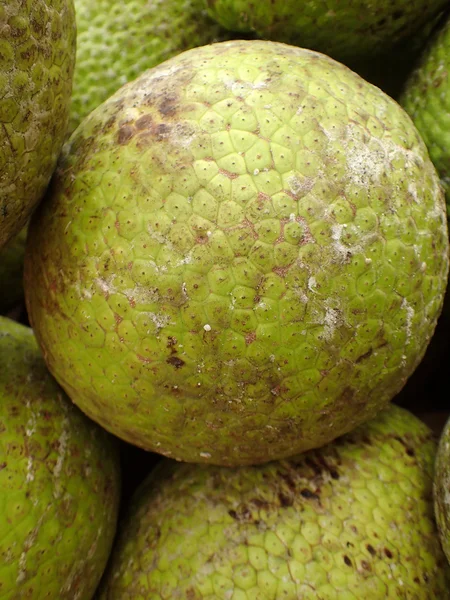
442,489
59,481
37,54
243,255
426,98
114,45
348,30
11,271
352,520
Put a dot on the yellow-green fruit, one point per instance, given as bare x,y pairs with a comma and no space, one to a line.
426,98
242,256
11,271
442,489
59,482
37,54
116,43
349,30
353,520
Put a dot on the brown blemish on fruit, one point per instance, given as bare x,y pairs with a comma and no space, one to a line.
250,338
175,361
125,134
364,356
371,550
347,561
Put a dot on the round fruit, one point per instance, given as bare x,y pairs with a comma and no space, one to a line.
37,54
349,30
442,489
243,255
59,482
11,271
426,98
115,45
352,520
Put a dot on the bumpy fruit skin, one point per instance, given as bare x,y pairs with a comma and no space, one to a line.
348,30
11,271
242,256
37,54
352,520
442,489
116,45
426,98
59,482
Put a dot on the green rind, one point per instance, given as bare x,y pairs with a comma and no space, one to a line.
11,271
59,482
442,489
37,55
243,255
349,30
352,520
115,45
426,98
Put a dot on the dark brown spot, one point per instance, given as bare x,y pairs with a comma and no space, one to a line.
168,107
233,514
388,553
175,361
250,338
2,466
124,135
347,561
144,122
364,356
308,494
285,500
365,565
371,549
171,341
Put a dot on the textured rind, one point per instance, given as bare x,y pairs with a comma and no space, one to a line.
114,45
59,482
11,271
426,98
348,30
442,489
37,54
243,255
352,520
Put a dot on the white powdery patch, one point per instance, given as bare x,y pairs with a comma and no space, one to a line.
159,320
341,250
409,319
331,321
106,285
312,284
300,185
237,86
62,448
29,431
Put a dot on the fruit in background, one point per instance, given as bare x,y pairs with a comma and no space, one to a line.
442,489
348,30
59,481
426,98
11,271
37,54
115,45
351,520
242,256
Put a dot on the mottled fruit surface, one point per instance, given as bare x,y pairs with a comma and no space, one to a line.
243,255
426,98
115,45
352,520
442,489
11,271
59,482
37,54
349,30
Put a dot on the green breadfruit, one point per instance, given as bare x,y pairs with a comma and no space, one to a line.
37,55
242,256
426,98
59,482
349,30
442,489
115,45
352,520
